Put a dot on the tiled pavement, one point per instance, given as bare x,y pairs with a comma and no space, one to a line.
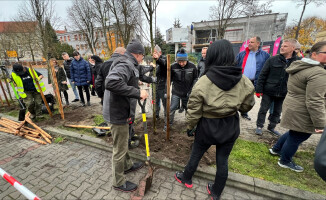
75,171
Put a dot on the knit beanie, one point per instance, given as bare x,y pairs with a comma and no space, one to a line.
135,47
182,55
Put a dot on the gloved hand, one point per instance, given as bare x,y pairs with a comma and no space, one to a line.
154,79
259,94
165,96
190,133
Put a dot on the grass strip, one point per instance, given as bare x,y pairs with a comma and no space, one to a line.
253,159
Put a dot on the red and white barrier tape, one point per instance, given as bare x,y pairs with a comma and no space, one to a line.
22,189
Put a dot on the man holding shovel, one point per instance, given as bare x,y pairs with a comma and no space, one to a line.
121,86
27,89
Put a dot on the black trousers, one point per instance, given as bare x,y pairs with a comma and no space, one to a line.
81,95
265,105
222,155
65,94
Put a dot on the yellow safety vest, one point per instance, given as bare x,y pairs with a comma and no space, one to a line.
20,86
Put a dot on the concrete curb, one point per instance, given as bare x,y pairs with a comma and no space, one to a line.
240,181
247,183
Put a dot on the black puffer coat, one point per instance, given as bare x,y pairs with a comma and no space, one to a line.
273,78
183,78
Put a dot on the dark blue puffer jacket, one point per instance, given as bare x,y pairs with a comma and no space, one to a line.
80,72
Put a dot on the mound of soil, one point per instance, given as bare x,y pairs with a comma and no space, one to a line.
177,148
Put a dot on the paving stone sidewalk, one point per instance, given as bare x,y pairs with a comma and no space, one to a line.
75,171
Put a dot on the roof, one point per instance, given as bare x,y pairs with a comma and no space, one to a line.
18,27
60,31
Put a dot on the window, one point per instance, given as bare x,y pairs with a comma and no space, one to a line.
65,38
102,45
77,47
75,36
86,46
68,37
82,47
101,34
96,34
80,36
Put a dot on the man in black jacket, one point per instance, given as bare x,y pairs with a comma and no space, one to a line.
272,82
183,77
66,65
104,71
161,80
121,86
201,63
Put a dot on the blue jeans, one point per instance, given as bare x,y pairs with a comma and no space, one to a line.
73,86
175,105
222,155
288,144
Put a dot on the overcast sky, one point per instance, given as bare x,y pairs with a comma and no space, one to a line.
187,11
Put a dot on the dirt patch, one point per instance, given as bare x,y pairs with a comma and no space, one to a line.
177,149
74,114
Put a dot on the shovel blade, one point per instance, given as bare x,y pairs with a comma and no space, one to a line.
21,116
149,178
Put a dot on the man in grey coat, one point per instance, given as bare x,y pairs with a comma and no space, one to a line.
121,86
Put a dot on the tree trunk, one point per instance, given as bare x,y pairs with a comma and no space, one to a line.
299,24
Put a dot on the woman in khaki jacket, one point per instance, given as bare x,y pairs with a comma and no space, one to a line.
213,107
303,111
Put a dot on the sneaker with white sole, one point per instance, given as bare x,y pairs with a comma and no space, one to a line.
291,165
274,152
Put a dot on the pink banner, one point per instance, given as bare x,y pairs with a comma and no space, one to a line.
276,45
244,45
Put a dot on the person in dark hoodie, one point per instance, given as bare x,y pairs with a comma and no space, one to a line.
213,109
304,108
121,87
96,63
104,71
161,73
272,85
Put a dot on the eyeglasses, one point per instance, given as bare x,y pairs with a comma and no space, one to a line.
322,52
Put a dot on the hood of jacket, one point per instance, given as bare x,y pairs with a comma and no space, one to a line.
224,77
302,64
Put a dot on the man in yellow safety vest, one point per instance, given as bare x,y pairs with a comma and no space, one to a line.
27,89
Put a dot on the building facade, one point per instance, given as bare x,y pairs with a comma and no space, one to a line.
268,27
78,40
19,41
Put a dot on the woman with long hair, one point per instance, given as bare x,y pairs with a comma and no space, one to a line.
213,109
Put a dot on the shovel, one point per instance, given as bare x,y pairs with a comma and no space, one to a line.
149,177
